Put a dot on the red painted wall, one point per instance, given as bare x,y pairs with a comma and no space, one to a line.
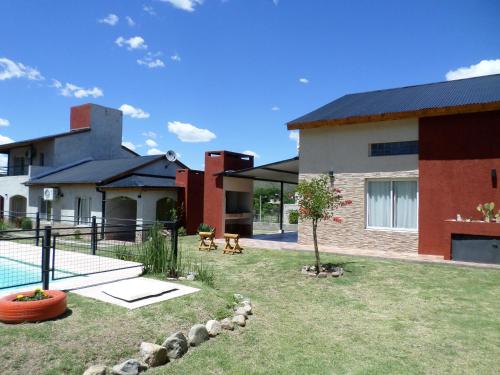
456,156
191,197
217,162
80,117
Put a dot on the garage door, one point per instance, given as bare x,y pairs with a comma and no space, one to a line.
480,249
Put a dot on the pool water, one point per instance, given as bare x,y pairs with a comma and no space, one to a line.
14,273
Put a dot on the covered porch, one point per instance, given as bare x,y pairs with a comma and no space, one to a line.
270,186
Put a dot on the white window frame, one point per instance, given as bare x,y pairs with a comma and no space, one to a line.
391,180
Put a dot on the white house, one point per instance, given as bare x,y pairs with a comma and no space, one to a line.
86,172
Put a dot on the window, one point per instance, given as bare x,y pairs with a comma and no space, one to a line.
45,209
394,148
19,166
42,159
392,204
82,210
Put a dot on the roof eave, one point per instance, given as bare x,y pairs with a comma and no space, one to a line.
427,112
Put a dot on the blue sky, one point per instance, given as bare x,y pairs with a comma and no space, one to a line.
225,73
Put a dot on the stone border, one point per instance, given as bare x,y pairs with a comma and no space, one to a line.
176,345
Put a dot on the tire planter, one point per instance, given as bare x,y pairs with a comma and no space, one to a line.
12,311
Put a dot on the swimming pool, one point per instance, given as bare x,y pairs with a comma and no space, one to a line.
14,274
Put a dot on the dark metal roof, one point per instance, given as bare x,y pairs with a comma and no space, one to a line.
281,171
27,142
478,90
95,171
141,181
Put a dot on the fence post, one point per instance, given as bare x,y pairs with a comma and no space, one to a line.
175,241
37,228
93,240
46,257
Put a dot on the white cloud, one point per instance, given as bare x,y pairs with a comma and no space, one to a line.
129,145
136,42
175,57
295,136
304,80
70,90
150,134
190,133
111,19
133,112
251,153
151,143
4,122
187,5
155,151
275,108
130,21
4,139
483,68
151,61
10,69
149,9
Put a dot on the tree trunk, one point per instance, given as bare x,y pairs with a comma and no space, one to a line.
316,250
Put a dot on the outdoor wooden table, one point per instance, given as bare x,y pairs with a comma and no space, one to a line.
207,236
232,249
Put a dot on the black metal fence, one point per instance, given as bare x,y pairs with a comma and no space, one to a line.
52,253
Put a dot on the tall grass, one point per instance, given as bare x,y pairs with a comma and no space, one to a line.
156,253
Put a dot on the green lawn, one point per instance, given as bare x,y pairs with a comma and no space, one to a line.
382,317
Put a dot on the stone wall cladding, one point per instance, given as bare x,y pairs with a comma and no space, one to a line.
352,232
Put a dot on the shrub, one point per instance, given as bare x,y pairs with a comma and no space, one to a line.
182,232
77,234
124,252
26,223
205,228
3,225
293,217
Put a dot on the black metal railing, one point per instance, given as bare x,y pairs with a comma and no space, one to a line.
18,170
58,253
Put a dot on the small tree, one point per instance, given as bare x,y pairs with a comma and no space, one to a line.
318,201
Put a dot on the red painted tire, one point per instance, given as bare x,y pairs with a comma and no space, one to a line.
32,311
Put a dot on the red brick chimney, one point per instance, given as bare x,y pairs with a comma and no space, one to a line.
80,117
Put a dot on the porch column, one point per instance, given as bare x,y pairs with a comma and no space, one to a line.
281,207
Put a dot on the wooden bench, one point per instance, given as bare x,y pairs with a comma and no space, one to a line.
232,249
207,236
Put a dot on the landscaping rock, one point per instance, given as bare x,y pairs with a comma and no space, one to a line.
129,367
96,370
153,355
241,311
227,324
322,275
240,320
197,335
213,327
247,306
190,277
176,345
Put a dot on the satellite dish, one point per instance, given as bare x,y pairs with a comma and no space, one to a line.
171,155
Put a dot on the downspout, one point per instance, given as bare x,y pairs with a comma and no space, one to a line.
103,210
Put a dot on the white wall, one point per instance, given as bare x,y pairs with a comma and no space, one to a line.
345,148
13,185
63,208
146,205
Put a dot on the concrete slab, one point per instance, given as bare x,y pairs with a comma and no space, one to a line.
131,288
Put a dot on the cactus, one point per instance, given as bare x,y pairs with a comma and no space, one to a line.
487,210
